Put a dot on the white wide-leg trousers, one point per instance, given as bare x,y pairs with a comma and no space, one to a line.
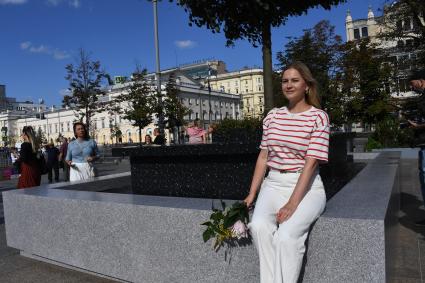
281,247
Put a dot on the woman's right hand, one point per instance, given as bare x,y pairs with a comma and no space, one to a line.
69,162
249,200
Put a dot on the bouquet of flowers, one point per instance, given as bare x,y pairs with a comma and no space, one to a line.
228,226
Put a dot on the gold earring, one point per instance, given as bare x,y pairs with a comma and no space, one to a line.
307,91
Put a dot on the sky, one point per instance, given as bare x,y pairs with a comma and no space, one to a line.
38,38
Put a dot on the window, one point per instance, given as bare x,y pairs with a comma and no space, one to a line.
69,126
190,116
103,123
364,32
260,88
50,129
56,128
221,104
190,101
356,33
203,102
237,91
197,101
196,115
246,82
246,90
62,129
95,124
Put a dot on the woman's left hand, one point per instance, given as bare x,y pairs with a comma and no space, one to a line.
89,159
285,212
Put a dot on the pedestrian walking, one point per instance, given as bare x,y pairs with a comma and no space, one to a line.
29,160
52,154
81,154
62,154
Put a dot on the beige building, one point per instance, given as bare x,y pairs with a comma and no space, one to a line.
247,83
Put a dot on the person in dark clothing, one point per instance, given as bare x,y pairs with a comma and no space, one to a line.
417,83
63,150
52,163
159,139
29,166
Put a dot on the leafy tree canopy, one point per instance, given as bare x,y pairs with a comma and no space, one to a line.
85,84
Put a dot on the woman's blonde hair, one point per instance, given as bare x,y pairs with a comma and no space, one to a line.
311,96
29,132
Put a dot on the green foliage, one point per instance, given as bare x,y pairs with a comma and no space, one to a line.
372,144
85,79
221,221
364,78
251,125
174,110
251,20
116,133
138,104
40,138
319,48
389,134
394,20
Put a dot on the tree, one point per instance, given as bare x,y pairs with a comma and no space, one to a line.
40,137
85,79
365,77
405,20
138,104
252,20
319,48
173,108
116,133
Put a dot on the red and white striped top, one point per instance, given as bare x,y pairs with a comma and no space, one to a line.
291,137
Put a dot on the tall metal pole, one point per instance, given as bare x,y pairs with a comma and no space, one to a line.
158,72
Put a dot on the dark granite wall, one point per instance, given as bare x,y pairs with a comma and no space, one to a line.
217,170
203,171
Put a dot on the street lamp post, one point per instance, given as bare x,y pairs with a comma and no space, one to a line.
158,72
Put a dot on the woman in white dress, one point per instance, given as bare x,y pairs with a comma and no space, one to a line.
81,154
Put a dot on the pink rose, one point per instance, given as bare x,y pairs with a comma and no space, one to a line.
239,230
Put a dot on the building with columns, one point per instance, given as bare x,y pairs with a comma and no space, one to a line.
209,106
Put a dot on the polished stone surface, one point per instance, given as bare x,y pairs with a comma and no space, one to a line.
142,238
349,242
134,238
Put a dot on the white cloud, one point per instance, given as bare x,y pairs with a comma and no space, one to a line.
182,44
43,49
39,49
72,3
54,2
12,2
25,45
64,92
75,3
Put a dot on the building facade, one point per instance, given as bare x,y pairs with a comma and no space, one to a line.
247,83
402,53
208,106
